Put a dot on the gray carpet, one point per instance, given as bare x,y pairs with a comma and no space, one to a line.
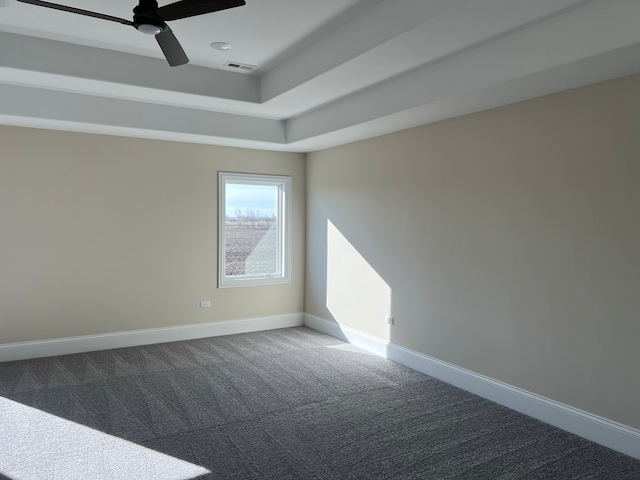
282,404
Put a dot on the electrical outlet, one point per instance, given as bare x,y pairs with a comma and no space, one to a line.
389,320
205,304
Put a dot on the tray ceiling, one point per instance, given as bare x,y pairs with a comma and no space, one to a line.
327,73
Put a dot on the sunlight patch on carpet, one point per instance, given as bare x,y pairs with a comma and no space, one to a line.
35,444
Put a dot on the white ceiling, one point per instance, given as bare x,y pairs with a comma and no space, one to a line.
328,72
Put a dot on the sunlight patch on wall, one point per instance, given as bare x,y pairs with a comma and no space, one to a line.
357,296
36,444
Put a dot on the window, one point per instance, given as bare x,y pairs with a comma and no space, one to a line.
255,218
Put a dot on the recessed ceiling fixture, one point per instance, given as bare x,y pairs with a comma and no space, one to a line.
222,46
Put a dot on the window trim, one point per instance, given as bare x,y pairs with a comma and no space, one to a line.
283,183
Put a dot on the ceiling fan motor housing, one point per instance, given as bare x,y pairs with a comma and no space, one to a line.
146,18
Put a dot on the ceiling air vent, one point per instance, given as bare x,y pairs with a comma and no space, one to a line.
240,66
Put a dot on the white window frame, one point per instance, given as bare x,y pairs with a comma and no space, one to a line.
283,183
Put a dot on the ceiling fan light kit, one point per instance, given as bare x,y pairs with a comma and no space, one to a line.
150,19
146,18
148,28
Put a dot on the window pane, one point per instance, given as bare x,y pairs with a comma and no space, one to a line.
254,229
251,235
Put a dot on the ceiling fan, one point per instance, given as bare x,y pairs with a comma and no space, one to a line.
150,19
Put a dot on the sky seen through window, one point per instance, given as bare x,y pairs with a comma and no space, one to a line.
263,199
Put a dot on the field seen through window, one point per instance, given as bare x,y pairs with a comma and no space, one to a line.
251,244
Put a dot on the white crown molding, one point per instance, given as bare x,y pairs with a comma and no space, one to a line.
89,343
600,430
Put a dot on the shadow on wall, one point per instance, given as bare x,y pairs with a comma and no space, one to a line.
356,295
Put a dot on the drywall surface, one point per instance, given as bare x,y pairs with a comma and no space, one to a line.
104,234
505,242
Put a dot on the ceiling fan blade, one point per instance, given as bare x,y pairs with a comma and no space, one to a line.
191,8
171,48
79,11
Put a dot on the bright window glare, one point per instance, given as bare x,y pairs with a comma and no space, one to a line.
35,444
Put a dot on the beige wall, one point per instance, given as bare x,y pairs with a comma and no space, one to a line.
506,242
104,234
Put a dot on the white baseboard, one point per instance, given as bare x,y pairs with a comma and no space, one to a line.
587,425
89,343
592,427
